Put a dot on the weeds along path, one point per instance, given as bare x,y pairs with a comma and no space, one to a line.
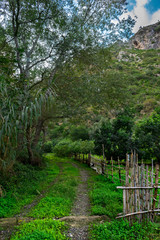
7,224
63,208
28,207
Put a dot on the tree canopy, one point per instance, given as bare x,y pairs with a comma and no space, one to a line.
40,41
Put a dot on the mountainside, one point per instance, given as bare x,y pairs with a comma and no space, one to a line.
141,71
147,37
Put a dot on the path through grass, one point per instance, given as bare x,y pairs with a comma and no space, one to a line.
59,199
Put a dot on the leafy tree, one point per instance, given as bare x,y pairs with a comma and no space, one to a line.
79,132
44,37
147,136
122,132
101,133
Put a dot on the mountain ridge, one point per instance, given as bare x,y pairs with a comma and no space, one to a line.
146,38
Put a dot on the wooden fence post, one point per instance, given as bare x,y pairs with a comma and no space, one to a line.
156,188
102,161
106,168
119,170
89,159
112,167
127,185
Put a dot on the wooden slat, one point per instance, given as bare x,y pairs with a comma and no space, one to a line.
156,189
136,213
135,188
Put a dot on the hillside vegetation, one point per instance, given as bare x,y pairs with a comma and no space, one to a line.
141,69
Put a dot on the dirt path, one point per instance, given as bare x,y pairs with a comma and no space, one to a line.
80,210
80,218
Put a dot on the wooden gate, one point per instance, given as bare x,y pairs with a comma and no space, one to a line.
141,196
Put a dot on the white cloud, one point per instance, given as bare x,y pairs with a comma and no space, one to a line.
144,18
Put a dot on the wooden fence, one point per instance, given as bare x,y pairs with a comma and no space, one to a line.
110,168
141,194
141,198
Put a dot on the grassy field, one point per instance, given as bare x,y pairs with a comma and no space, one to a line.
56,203
105,199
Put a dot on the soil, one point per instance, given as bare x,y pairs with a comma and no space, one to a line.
81,209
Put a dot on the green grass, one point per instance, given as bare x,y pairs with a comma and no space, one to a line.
105,198
59,200
44,229
121,230
25,184
56,203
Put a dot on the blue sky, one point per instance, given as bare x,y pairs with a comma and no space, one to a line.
153,6
147,12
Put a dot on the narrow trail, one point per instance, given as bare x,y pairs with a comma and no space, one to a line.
78,221
80,218
81,209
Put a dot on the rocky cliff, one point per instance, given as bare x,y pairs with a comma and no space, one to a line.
147,37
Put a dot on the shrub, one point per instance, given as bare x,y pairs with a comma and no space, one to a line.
80,132
63,148
48,147
66,147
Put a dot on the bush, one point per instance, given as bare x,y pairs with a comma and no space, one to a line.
63,148
66,147
48,147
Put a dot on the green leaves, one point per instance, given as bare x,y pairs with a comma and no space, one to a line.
147,136
66,147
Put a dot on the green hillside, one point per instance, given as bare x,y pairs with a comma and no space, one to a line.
141,69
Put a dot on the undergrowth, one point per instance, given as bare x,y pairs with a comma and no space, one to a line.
59,200
121,230
43,229
25,183
105,198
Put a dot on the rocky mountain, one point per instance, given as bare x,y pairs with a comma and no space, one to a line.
147,37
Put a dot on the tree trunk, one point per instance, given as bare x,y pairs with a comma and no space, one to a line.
39,128
30,152
1,192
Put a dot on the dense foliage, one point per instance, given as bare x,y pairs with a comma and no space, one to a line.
52,50
147,136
